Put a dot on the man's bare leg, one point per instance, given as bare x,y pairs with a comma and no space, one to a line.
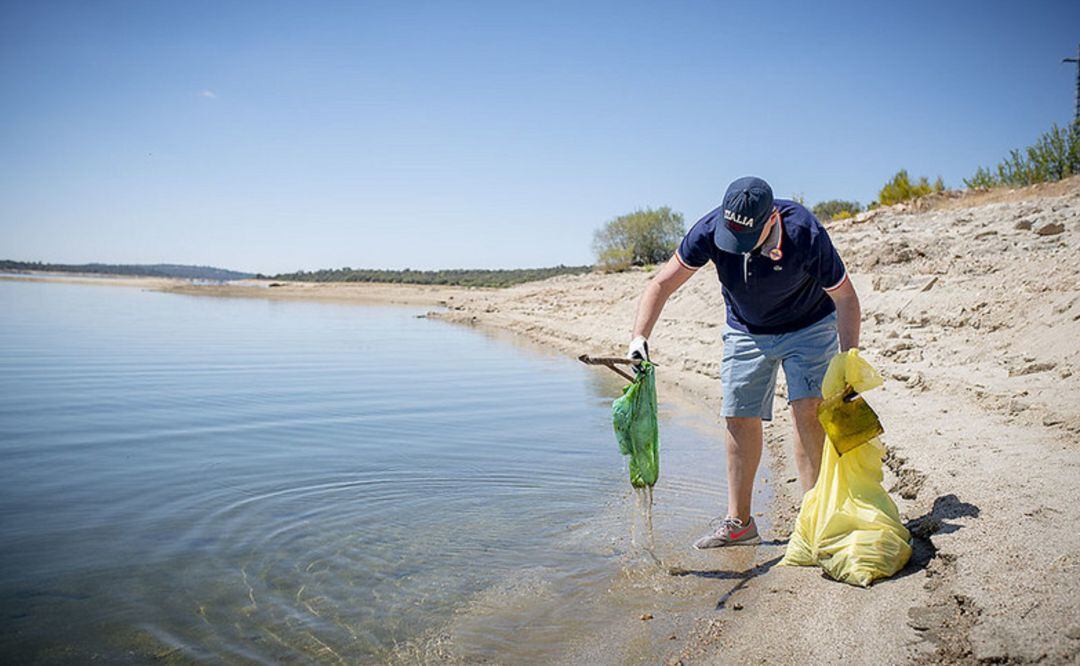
809,436
743,440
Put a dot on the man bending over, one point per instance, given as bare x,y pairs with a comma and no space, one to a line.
789,303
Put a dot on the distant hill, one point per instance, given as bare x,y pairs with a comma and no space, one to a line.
140,270
463,277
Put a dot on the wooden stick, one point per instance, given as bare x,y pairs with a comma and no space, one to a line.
607,360
610,363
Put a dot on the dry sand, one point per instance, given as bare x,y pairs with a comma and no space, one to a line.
972,312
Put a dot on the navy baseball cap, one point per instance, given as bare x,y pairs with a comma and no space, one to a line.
748,204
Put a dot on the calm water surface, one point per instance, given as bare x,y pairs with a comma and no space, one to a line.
237,480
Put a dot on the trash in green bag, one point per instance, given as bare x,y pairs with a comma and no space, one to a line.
634,416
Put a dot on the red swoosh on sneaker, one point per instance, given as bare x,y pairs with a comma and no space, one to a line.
738,535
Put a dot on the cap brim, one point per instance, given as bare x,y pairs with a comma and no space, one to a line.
729,241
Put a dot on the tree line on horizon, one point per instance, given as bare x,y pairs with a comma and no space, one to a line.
462,277
181,271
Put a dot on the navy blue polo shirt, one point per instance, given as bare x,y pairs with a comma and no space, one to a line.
780,287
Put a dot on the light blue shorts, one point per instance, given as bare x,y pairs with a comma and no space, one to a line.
751,361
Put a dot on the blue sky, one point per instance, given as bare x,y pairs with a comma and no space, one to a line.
276,136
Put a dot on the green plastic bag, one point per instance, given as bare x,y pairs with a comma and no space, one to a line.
634,416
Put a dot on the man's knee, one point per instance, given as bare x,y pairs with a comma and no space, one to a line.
805,408
743,431
742,422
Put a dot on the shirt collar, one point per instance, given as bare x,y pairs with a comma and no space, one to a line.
773,245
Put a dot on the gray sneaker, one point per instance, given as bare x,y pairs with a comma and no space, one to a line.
731,533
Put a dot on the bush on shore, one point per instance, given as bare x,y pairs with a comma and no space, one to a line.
836,209
644,237
1055,155
900,189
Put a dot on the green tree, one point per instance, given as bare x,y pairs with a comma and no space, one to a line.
983,179
836,208
900,188
1055,155
647,236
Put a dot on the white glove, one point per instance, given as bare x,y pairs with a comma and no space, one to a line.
639,349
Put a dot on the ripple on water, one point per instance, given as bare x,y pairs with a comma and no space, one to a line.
243,481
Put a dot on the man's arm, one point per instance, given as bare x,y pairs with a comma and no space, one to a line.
848,313
672,276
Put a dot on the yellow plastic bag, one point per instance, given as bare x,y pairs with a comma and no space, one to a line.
848,524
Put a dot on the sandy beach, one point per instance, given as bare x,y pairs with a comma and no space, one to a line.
972,312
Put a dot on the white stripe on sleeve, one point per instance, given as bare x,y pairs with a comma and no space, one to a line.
683,262
838,284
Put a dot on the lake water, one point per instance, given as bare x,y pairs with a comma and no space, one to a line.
246,480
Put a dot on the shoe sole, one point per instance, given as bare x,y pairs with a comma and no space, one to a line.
745,542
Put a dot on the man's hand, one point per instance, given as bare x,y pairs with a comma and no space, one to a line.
639,350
